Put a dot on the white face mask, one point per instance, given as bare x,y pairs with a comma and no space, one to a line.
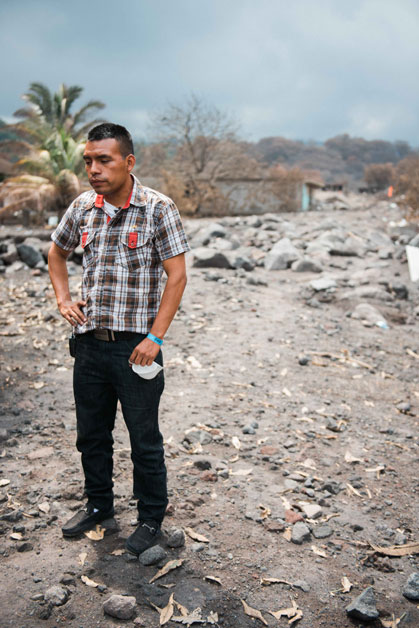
147,372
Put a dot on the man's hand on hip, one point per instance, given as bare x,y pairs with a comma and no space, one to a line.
71,311
144,353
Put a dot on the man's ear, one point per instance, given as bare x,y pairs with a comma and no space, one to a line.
130,162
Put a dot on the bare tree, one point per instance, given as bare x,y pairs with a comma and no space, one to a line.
201,147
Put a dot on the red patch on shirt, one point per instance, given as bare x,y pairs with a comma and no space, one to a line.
132,240
84,239
99,200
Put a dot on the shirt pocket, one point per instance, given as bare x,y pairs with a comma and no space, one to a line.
87,243
134,250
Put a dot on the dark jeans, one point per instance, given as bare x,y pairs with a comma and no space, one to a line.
101,377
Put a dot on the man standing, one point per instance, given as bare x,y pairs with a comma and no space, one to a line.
130,234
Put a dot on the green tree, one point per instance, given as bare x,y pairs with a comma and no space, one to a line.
46,147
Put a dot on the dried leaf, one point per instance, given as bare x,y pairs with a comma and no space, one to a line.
4,482
318,551
182,609
286,392
37,385
118,552
236,442
267,581
44,507
167,612
213,579
350,458
293,611
353,490
90,583
16,536
97,534
298,615
346,584
172,564
196,536
287,534
393,622
398,550
82,558
253,612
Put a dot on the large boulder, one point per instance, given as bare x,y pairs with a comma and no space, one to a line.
282,255
30,255
203,257
207,233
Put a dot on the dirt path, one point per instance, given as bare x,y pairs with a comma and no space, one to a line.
273,401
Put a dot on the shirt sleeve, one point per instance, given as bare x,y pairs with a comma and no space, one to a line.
66,235
170,238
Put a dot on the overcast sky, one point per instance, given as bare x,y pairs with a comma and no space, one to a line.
303,69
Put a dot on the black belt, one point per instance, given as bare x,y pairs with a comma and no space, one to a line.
109,335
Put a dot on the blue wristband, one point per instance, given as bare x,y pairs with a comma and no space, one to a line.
154,338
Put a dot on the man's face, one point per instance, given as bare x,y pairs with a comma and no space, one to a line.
106,168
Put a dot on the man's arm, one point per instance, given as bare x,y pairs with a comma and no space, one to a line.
57,266
146,351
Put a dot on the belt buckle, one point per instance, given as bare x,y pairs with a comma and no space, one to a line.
104,334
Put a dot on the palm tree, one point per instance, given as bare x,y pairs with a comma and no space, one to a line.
55,109
46,150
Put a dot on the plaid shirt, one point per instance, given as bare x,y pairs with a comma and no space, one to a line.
122,260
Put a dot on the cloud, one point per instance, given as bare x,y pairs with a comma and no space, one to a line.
301,69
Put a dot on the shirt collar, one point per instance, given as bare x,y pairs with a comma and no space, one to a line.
137,197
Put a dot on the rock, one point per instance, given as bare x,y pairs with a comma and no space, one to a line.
248,429
350,248
198,436
120,606
414,241
368,313
292,484
11,255
30,255
411,588
56,595
303,360
322,531
202,463
282,255
209,258
312,511
152,555
306,265
404,407
240,259
300,533
398,289
301,584
324,283
213,230
209,476
363,607
274,526
176,538
4,434
197,547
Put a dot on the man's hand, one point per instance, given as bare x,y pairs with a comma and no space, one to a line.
144,353
71,311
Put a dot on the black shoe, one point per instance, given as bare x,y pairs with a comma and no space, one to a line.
85,520
145,536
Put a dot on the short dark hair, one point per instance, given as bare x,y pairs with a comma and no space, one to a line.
107,131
